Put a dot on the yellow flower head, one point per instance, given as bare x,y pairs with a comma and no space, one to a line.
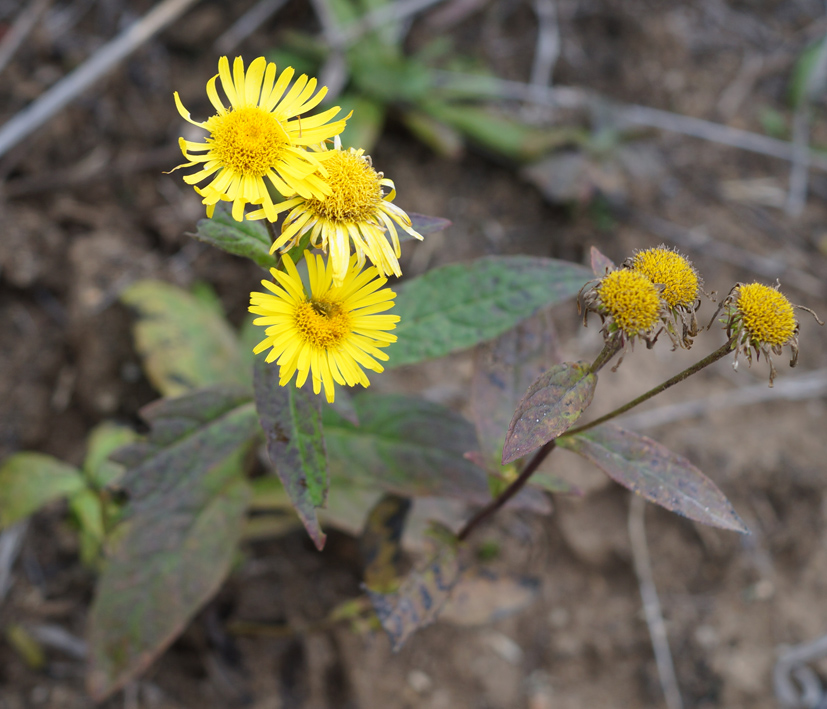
629,305
357,209
330,333
760,319
262,134
766,314
679,285
631,301
673,272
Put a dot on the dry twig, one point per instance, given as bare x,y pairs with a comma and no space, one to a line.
793,664
245,25
11,539
100,63
651,604
25,22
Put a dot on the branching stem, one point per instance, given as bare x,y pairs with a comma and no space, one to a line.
531,467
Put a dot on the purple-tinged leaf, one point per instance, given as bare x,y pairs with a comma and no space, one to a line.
422,594
343,405
550,407
249,239
187,498
503,369
413,448
601,264
292,422
481,597
655,473
380,544
425,225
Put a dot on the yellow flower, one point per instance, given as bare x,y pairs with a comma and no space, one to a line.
760,319
261,135
330,333
629,305
630,300
356,209
679,285
673,272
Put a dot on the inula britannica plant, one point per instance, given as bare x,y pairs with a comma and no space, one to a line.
284,190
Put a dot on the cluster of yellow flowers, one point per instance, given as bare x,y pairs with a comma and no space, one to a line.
657,289
266,138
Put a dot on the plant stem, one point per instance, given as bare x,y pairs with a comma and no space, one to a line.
607,353
508,493
689,371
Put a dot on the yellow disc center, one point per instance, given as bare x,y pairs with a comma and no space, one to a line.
673,272
767,314
248,140
355,189
631,299
322,323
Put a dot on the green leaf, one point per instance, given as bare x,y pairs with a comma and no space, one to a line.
508,137
444,140
104,440
457,306
481,597
422,594
30,480
88,511
412,448
380,545
384,75
187,499
801,76
184,343
549,408
292,422
249,239
503,369
655,473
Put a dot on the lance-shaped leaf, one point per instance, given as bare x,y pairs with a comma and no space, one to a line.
503,369
422,594
460,305
380,544
30,480
655,473
601,264
549,408
187,498
104,440
185,343
413,448
292,422
248,238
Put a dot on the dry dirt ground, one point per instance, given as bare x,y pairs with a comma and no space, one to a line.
87,210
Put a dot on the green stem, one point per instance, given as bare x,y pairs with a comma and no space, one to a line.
610,349
697,367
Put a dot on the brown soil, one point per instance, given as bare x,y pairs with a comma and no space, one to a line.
90,211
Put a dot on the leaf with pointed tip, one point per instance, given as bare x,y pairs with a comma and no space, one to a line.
455,307
422,594
187,499
481,597
601,264
503,369
380,544
183,342
292,422
30,480
410,447
248,239
549,408
655,473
